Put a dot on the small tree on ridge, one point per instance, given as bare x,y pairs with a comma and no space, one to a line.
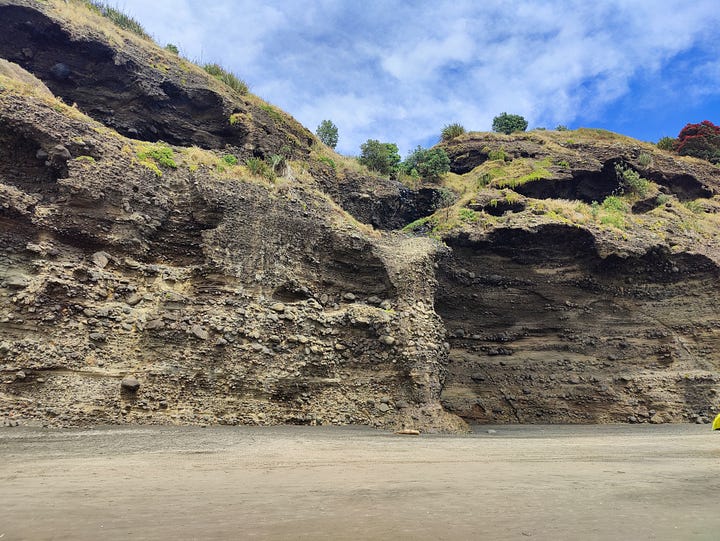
327,132
506,123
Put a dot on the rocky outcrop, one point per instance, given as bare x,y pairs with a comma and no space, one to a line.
146,280
543,329
136,292
137,88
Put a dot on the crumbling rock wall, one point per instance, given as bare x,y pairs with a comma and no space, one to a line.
138,89
544,330
189,297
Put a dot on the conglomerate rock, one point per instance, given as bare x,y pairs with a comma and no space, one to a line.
146,278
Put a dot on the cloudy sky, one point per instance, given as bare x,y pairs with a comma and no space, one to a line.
398,71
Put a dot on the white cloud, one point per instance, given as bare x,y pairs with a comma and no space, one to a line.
400,71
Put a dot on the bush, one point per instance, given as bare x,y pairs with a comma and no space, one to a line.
229,159
224,76
506,123
561,127
700,140
172,48
494,155
260,168
380,157
327,132
327,161
451,131
430,164
158,152
275,162
631,181
644,159
666,143
117,17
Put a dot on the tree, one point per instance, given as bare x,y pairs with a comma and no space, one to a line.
430,164
327,132
666,143
700,140
451,131
505,123
380,157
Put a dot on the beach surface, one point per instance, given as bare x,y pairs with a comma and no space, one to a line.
321,483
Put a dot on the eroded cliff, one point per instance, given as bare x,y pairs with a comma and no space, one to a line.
147,275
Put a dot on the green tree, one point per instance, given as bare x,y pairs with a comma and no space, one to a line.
430,164
327,132
506,123
451,131
380,157
666,143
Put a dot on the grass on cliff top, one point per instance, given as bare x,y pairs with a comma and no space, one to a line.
9,84
117,17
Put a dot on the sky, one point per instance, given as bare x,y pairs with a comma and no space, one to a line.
399,71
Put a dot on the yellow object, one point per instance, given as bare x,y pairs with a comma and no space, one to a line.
716,423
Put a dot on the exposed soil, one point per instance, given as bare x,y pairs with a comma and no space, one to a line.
537,482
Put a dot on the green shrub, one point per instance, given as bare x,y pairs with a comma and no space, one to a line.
497,155
561,127
380,157
451,131
160,153
117,17
614,211
666,143
468,215
224,76
430,164
614,219
507,123
272,112
172,48
483,180
327,161
693,206
229,159
644,159
614,203
327,132
631,181
260,168
275,162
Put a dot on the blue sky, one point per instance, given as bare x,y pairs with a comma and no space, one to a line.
399,71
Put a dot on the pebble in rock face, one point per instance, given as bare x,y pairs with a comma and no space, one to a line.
130,383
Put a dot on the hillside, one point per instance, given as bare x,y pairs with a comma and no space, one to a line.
176,251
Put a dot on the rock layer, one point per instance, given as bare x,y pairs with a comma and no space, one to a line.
161,283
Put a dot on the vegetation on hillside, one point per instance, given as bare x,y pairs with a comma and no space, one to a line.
227,77
507,123
451,131
117,17
383,158
327,132
700,140
429,164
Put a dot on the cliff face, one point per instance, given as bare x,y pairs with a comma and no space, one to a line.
571,296
146,278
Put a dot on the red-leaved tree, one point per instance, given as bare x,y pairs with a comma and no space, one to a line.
700,140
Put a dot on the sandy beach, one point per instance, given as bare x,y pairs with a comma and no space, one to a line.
501,482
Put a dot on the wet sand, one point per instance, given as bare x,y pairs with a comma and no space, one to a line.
521,482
